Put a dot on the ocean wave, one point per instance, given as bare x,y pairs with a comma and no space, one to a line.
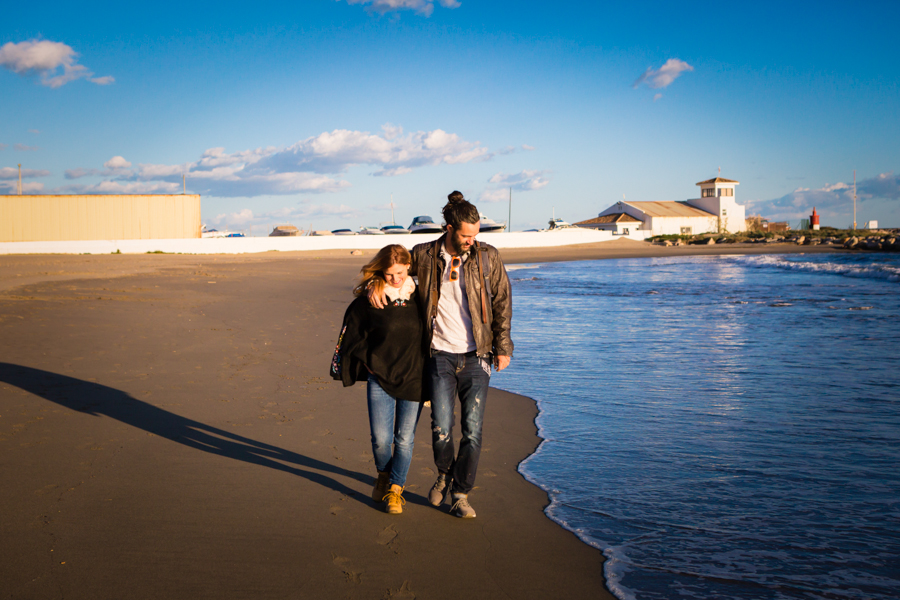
703,473
838,264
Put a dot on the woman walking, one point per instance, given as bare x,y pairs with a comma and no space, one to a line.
384,348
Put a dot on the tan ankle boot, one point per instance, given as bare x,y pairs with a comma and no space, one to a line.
395,500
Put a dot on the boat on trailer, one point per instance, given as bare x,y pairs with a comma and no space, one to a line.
424,224
489,225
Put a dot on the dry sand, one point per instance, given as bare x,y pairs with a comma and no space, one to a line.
168,430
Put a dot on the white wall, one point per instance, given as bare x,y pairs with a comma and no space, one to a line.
673,225
531,239
734,218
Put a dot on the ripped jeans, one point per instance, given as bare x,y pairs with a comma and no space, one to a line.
467,376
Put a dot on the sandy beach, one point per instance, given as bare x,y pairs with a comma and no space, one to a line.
168,430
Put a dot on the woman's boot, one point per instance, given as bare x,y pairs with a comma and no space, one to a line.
381,486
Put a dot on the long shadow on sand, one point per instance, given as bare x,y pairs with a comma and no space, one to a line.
97,400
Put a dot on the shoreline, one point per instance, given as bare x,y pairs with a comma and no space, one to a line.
217,387
169,430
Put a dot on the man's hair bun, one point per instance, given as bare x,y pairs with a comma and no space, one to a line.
459,210
455,197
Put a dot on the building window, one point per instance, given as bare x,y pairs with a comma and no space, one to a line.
724,212
726,192
686,230
708,193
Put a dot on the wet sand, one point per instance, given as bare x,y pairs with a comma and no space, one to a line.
168,430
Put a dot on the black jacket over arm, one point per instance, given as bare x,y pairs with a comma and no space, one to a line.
389,342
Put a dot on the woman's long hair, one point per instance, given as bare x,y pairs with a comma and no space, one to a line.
373,271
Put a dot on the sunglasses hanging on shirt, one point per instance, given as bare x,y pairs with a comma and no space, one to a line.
455,262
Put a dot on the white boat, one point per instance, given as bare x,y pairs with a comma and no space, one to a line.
370,231
321,232
559,224
489,225
207,232
395,229
343,232
424,224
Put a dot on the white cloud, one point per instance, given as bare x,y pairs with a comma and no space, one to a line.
523,181
663,76
13,173
422,7
300,214
396,153
122,187
834,196
527,147
391,131
28,187
242,217
79,173
886,185
656,97
490,196
24,148
3,146
117,162
393,172
307,166
46,58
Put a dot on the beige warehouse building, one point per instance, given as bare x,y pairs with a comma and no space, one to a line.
50,218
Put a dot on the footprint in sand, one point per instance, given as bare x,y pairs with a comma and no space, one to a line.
390,538
335,509
404,593
387,535
343,563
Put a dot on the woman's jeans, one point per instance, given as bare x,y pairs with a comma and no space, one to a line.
468,377
393,422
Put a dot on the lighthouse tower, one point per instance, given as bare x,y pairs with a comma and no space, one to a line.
717,197
814,220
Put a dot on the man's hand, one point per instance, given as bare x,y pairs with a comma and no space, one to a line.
376,295
501,362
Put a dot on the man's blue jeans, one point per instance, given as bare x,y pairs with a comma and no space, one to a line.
467,376
393,422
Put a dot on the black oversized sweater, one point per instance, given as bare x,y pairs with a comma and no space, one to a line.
388,341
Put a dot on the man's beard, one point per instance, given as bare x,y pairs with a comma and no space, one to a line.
457,246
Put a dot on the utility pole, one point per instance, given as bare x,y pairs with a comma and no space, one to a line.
509,218
20,179
183,183
854,199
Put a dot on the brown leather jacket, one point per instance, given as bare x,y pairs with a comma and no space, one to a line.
491,313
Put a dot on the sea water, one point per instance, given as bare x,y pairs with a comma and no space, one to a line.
719,427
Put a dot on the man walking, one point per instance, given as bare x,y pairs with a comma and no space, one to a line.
465,292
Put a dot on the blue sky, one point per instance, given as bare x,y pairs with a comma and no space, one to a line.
316,114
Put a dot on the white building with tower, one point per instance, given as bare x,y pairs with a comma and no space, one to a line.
715,211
